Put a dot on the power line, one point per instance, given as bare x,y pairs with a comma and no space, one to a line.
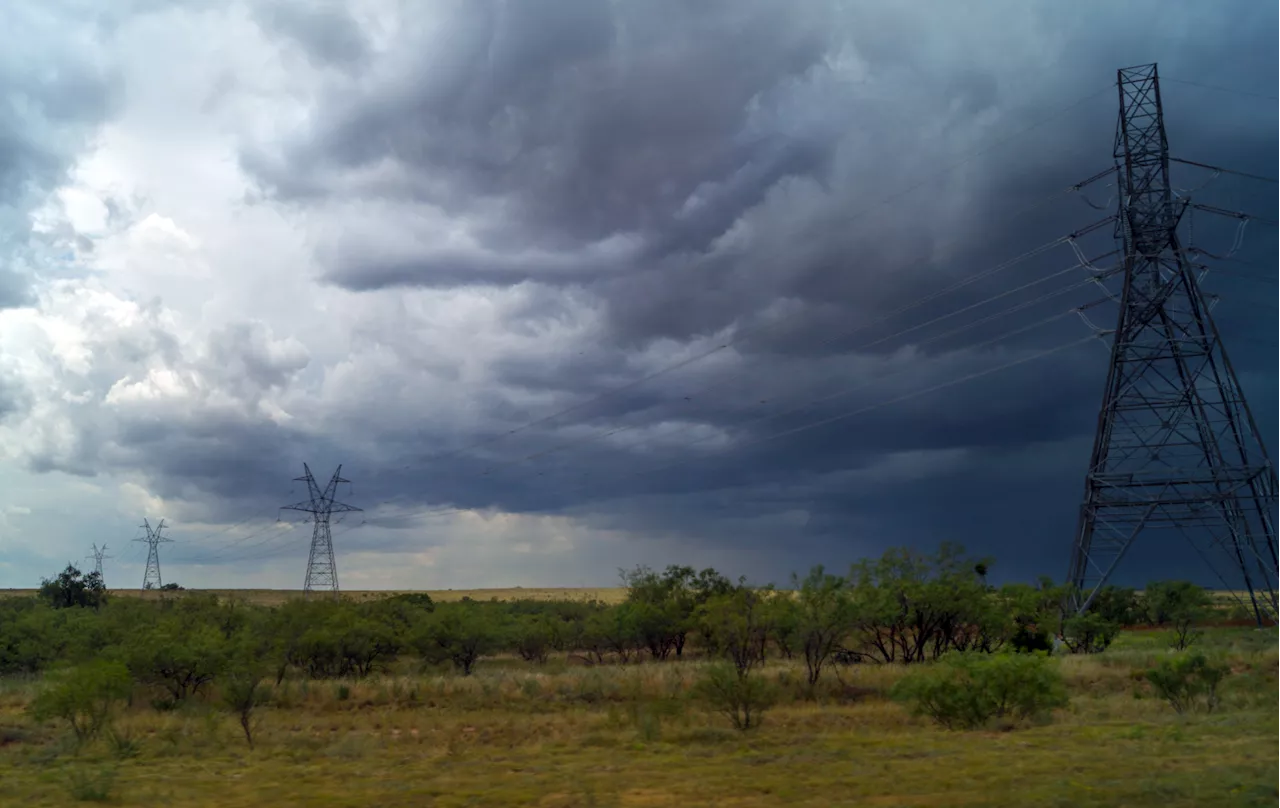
768,326
874,343
1220,170
905,371
1219,88
1231,214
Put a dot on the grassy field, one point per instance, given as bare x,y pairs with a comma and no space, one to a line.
556,735
274,597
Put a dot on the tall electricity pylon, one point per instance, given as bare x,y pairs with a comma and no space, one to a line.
322,569
98,554
1177,453
151,578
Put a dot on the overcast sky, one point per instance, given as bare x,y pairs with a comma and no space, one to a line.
445,244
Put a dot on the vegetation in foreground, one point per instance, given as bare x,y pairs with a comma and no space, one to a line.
909,681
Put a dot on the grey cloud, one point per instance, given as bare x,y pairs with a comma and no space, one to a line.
325,31
675,172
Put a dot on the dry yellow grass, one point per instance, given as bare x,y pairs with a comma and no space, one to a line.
514,735
274,597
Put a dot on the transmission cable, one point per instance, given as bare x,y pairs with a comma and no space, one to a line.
957,286
1220,170
900,399
905,371
1218,88
870,344
768,326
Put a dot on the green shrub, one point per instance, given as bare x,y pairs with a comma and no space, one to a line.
91,786
743,699
1188,682
124,745
1089,633
85,697
966,691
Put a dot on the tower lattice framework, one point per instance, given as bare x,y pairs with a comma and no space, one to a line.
98,555
151,576
322,569
1177,455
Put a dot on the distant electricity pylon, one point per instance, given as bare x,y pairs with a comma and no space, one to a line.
1177,452
322,569
151,578
98,554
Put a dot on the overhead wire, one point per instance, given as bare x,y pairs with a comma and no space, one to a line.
1220,170
898,399
1069,239
905,371
743,334
865,346
1219,88
739,336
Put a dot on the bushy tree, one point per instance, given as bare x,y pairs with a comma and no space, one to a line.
823,615
461,633
1119,605
533,636
1035,612
72,588
968,690
1180,603
85,697
1188,682
909,607
178,658
1088,633
736,624
661,607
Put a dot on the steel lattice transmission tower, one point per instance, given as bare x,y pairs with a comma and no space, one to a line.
1177,454
98,554
151,577
322,570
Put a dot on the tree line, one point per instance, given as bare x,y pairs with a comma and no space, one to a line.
904,607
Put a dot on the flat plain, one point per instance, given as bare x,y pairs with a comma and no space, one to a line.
517,734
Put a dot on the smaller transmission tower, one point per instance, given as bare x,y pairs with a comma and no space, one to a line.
151,578
322,570
99,553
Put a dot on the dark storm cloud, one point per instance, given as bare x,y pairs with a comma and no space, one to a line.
685,169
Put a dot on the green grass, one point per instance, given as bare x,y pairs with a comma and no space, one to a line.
517,735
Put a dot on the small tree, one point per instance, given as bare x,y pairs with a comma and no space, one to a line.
823,614
1088,633
532,637
242,691
72,588
1180,603
740,697
736,624
85,697
1188,682
1118,604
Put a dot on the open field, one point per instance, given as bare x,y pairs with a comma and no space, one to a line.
274,597
514,734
